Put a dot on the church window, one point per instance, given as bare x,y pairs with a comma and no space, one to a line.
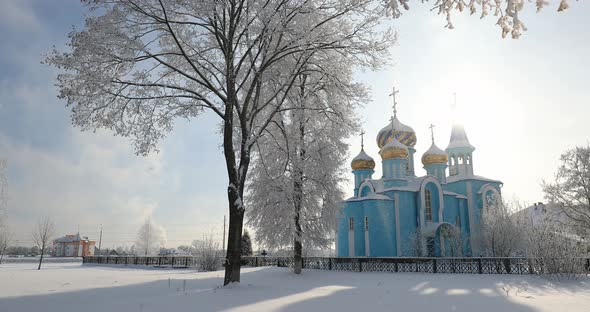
366,223
458,222
428,201
351,224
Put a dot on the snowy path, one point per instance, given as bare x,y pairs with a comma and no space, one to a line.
73,287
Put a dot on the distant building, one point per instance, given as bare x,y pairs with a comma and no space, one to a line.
73,246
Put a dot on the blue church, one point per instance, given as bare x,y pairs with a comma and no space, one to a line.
403,215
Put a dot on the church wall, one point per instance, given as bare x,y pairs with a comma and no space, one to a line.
408,218
435,200
342,234
382,231
381,217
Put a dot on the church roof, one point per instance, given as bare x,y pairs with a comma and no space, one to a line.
414,184
458,178
459,138
434,155
362,161
403,133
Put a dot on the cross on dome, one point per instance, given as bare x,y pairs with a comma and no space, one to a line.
432,132
391,119
394,101
362,139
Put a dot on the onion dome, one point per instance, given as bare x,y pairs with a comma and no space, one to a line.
404,134
362,161
434,156
394,149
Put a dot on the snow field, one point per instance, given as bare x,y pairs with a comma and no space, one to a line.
75,287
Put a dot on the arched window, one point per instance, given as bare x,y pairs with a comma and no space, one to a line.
366,223
365,191
428,203
351,224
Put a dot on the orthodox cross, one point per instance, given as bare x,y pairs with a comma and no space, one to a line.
432,132
392,117
362,139
394,101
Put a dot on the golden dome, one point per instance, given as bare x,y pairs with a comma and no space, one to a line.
362,161
394,149
434,155
404,134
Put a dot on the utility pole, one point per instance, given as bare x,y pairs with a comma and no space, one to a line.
223,234
100,240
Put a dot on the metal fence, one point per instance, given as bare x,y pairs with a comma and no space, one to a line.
169,261
364,264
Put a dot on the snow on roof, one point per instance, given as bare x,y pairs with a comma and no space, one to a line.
397,126
362,156
394,143
69,238
458,178
454,194
371,196
434,150
459,138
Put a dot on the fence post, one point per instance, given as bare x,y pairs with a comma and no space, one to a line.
395,266
256,265
587,264
531,271
479,268
186,261
278,261
302,262
434,266
360,265
330,264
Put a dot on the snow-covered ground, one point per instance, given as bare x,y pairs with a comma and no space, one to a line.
75,287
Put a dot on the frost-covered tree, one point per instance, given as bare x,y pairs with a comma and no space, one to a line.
5,234
570,191
501,230
5,240
507,11
139,65
294,189
207,253
150,238
42,235
246,244
415,244
559,253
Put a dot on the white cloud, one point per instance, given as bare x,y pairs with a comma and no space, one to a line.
18,14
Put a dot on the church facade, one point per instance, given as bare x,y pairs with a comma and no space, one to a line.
404,215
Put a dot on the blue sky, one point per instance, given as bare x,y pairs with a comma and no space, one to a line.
522,101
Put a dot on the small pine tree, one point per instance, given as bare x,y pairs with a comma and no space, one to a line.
246,244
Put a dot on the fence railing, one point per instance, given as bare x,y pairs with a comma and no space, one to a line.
164,261
512,265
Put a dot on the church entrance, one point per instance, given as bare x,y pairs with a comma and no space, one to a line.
447,241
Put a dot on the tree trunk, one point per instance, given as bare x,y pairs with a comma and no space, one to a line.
234,256
41,258
298,182
235,190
